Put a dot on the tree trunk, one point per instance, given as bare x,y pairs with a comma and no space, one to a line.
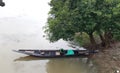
103,43
92,41
108,38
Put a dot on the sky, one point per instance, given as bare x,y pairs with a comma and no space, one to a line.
21,23
25,14
36,9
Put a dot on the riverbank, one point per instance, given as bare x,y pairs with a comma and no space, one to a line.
108,60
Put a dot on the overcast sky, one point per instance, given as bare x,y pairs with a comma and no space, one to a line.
36,9
23,15
23,20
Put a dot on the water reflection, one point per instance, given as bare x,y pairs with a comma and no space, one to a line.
29,58
64,65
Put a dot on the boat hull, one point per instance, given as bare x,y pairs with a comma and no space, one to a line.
55,53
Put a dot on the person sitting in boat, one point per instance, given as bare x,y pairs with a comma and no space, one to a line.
70,52
62,52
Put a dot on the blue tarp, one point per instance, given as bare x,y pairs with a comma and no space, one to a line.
70,52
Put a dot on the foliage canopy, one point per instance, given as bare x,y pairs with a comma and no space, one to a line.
68,17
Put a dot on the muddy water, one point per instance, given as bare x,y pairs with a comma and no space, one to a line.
17,33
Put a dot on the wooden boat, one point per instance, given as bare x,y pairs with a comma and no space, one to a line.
55,53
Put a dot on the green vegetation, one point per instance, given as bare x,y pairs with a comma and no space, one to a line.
88,18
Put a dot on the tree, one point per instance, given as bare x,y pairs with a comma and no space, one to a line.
109,19
68,17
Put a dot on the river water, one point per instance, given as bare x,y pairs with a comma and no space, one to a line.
21,27
23,33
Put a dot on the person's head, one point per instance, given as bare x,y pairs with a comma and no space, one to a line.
61,49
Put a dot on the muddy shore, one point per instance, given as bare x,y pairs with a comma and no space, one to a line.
108,60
